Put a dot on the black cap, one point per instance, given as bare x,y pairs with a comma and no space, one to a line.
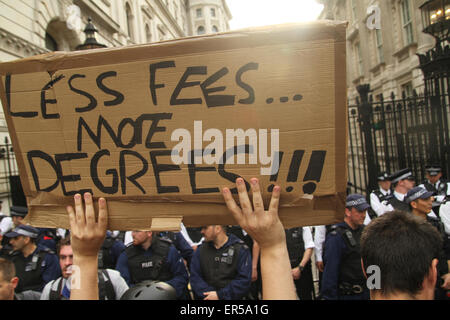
383,176
417,193
23,230
402,175
17,211
357,201
433,170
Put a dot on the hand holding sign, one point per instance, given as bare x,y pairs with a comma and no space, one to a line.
265,228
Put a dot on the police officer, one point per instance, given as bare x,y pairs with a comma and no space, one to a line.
403,181
343,277
34,267
180,243
300,247
111,285
437,185
150,257
379,197
110,251
420,201
221,267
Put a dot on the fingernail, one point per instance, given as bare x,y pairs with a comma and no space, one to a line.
225,190
254,181
240,181
277,188
77,196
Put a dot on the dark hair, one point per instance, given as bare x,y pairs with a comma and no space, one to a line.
7,269
402,246
63,242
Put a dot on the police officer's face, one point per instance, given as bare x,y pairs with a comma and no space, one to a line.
385,184
209,232
356,217
434,179
66,260
18,243
139,237
423,205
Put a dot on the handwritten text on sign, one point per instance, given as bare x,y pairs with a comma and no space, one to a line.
174,127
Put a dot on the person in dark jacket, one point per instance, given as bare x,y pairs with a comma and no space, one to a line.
343,277
150,257
34,266
221,268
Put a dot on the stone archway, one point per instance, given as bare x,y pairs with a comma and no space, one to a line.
51,23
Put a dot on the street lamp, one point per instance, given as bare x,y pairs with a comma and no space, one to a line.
436,18
90,42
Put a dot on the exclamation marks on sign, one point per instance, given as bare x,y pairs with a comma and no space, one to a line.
313,173
274,177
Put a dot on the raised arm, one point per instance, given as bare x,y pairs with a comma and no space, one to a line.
265,228
87,236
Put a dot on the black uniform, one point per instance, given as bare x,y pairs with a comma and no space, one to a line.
296,250
439,189
442,266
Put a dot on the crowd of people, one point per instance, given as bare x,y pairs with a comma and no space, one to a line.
401,233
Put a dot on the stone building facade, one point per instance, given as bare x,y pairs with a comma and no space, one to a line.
32,27
383,37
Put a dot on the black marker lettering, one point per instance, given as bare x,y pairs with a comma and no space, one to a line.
174,101
94,174
155,117
29,114
158,168
153,85
135,176
193,169
45,101
216,100
229,175
119,96
295,165
251,93
44,156
93,102
70,178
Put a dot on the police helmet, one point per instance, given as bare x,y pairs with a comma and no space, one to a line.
150,290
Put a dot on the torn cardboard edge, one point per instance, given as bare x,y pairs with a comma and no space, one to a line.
166,216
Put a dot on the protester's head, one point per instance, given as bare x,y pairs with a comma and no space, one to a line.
22,237
433,173
384,180
18,214
405,249
8,279
65,254
141,237
212,232
355,210
403,180
420,200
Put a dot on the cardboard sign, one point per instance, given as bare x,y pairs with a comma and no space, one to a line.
160,129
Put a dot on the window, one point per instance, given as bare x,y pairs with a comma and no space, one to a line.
129,21
358,60
379,43
407,22
200,30
407,88
199,13
148,34
213,12
50,42
215,29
